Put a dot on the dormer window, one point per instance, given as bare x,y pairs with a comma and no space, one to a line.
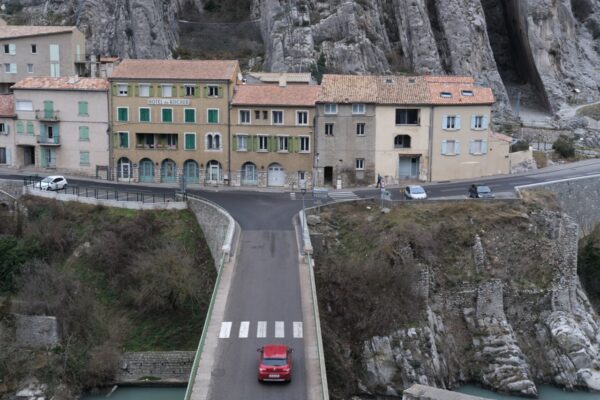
466,92
389,80
330,108
446,95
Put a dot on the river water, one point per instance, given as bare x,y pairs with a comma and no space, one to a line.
545,392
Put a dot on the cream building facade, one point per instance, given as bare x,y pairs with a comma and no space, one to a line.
7,129
31,51
170,120
272,135
62,124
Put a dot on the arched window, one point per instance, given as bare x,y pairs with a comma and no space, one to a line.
402,142
191,171
213,141
146,171
124,168
213,171
168,171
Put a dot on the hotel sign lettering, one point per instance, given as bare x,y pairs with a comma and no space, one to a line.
169,102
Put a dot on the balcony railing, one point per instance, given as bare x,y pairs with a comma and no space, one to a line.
155,146
44,140
47,115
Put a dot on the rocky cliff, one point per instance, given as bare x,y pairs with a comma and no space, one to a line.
492,297
544,53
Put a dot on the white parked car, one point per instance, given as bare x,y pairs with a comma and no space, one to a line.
415,192
55,182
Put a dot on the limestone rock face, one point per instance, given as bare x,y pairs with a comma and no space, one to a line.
494,332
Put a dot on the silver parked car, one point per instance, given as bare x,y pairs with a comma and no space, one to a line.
415,192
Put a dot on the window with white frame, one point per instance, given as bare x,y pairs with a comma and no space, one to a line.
304,144
10,68
360,129
189,141
242,142
478,147
450,147
263,143
122,89
244,116
360,164
330,108
167,90
123,140
144,90
24,105
30,68
451,122
3,128
213,141
282,143
213,91
277,117
301,117
479,122
190,90
10,49
358,108
329,129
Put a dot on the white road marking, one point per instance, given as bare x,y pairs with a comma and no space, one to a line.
244,327
225,330
279,329
297,330
261,329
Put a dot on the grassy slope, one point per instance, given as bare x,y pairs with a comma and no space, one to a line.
118,280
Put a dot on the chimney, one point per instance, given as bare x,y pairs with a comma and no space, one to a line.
282,80
93,66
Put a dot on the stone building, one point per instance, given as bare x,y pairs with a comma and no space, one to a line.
27,51
272,135
170,120
62,124
7,129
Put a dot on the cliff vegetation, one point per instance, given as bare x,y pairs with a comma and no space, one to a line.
116,280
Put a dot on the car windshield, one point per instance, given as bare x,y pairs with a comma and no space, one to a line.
483,189
274,362
417,190
47,180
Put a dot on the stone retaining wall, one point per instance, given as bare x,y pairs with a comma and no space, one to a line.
214,223
422,392
36,331
9,191
155,367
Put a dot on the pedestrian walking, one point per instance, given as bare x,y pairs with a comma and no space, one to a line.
379,180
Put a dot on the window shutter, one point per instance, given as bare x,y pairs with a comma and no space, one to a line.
12,48
196,91
457,125
150,90
8,156
471,146
296,141
457,147
7,128
445,123
181,91
126,140
114,90
473,117
159,91
20,128
484,148
130,90
486,122
444,147
137,90
272,145
205,91
221,91
234,143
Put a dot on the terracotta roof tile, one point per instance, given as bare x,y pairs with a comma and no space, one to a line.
348,89
15,31
275,76
402,90
274,95
7,105
63,83
176,69
449,79
456,92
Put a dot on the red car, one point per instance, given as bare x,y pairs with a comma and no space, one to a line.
275,363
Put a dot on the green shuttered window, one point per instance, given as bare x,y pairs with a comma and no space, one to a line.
144,115
167,115
122,114
84,134
190,141
83,108
190,115
213,116
84,158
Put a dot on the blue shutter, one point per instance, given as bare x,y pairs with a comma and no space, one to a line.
484,145
471,147
473,118
444,147
457,147
457,124
486,122
8,156
445,122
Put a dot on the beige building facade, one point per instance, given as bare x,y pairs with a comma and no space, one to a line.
36,51
7,130
62,124
272,135
170,121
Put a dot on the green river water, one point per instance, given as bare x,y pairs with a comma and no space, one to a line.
177,393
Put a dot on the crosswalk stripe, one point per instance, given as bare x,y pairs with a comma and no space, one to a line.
279,329
225,330
244,327
297,330
261,329
347,195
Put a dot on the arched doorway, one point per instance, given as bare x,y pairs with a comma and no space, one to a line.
146,170
191,171
249,174
276,175
213,171
168,171
124,168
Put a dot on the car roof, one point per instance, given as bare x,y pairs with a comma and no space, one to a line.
275,351
55,176
415,186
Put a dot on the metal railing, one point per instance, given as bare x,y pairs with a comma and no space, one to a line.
106,193
44,139
47,115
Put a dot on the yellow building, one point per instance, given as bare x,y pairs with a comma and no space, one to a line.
272,135
170,120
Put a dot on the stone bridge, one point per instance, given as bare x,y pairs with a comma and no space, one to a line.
10,191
